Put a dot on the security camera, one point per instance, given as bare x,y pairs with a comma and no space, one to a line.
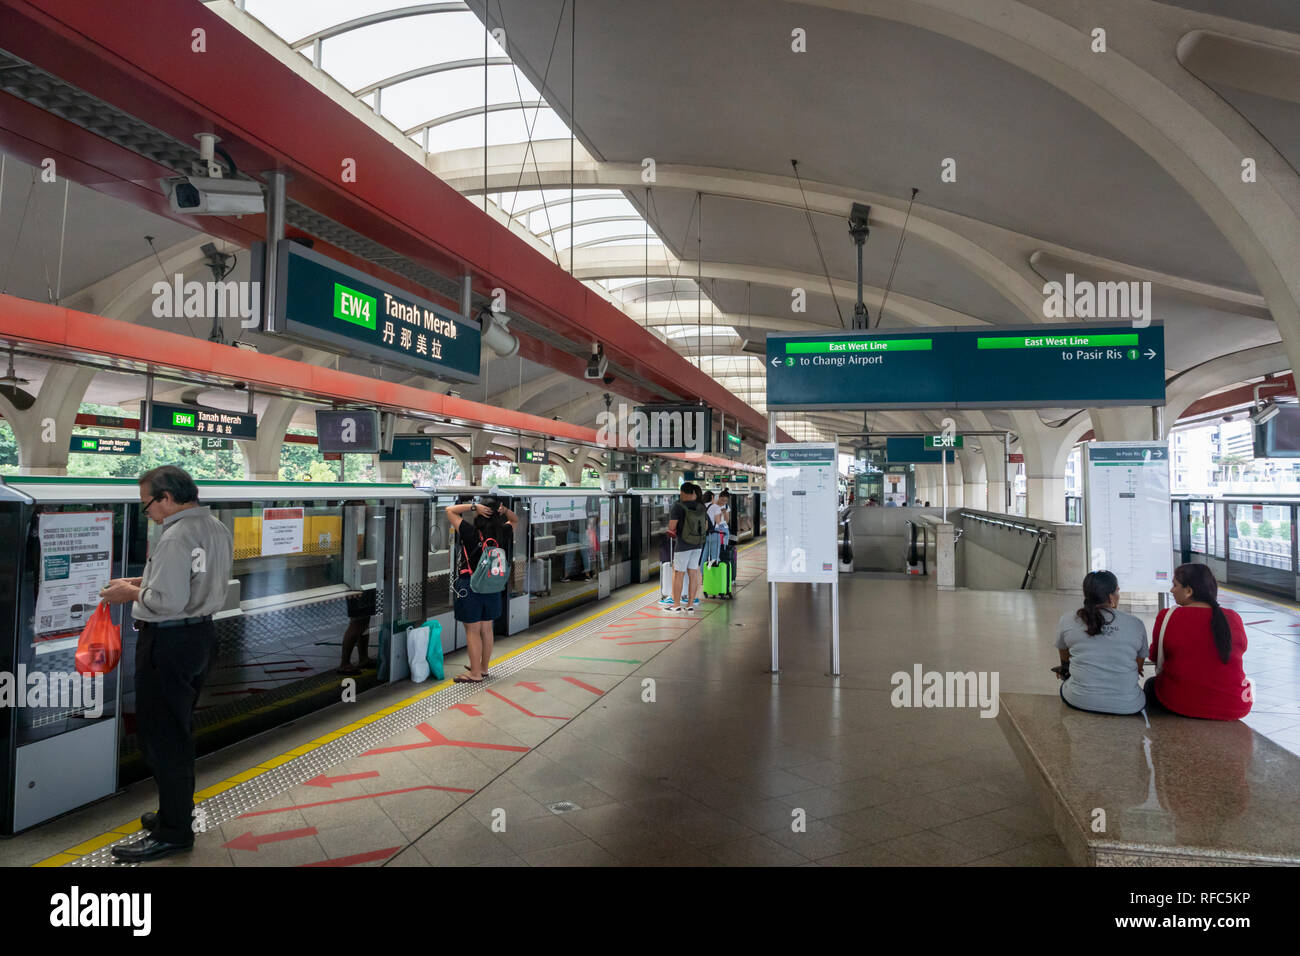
597,365
206,196
608,380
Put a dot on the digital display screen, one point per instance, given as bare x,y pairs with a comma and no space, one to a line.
348,430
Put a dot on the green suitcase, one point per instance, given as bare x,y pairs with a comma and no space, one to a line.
717,580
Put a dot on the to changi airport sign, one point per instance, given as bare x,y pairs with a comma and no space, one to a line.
203,422
969,368
99,445
409,448
324,302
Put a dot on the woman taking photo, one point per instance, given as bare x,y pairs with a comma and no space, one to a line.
478,611
1102,651
1198,651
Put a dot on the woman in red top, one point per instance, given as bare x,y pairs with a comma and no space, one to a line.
1201,673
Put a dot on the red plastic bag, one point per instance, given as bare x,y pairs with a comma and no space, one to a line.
100,646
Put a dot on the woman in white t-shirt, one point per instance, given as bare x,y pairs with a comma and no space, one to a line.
1102,651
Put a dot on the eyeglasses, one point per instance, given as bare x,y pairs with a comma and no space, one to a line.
149,504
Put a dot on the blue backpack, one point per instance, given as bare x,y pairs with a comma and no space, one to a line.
493,570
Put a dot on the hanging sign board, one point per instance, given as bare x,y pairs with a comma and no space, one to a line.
196,420
1088,365
530,456
409,448
348,430
323,302
100,445
803,498
1128,513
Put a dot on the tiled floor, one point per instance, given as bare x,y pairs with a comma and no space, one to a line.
676,748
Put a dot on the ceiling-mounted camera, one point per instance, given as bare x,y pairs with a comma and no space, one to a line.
597,365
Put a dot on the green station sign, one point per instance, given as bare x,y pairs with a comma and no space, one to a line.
323,302
943,441
100,445
732,443
201,422
530,456
1058,366
217,444
409,448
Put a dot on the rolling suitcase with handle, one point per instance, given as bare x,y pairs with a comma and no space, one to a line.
717,580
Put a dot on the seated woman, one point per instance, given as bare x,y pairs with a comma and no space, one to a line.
1102,651
1198,650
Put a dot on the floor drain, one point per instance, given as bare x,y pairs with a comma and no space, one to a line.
564,806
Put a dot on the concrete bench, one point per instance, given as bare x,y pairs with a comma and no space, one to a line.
1176,792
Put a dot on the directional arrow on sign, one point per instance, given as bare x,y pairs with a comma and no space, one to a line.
247,841
468,709
1151,353
529,685
776,362
324,781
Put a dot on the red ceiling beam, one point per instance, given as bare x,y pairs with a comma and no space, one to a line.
270,118
129,347
1283,385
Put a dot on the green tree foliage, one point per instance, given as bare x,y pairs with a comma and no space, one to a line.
1265,530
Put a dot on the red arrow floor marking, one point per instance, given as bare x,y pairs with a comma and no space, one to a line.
668,640
356,858
525,710
324,781
364,796
467,709
530,685
246,841
577,683
438,740
1265,621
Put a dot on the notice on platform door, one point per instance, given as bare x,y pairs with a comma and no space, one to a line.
282,530
604,519
76,564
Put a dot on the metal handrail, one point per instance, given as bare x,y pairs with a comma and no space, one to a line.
1032,529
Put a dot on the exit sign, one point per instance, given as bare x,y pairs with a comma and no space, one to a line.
943,441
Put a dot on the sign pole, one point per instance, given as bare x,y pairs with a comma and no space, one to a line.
835,584
771,585
944,469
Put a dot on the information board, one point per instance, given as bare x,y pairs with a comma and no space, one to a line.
200,421
325,302
409,448
1127,500
546,510
963,368
76,564
803,494
103,445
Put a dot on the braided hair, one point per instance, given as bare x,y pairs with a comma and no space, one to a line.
1205,589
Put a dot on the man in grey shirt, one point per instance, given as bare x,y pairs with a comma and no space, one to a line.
183,585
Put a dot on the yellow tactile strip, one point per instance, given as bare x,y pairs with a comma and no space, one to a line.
74,853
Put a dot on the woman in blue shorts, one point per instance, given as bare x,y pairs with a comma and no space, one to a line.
476,611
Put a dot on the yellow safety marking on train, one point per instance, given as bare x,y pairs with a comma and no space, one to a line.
112,836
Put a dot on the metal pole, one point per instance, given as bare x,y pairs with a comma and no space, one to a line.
771,585
944,459
275,180
835,627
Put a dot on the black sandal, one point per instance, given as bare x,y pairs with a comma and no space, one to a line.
463,679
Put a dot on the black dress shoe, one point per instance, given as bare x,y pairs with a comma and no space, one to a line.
149,848
149,821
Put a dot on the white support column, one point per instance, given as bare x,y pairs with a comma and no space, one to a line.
44,430
1046,450
262,457
974,487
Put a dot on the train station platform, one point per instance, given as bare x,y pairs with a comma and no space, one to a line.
633,736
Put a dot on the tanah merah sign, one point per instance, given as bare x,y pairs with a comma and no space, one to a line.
321,301
102,445
196,420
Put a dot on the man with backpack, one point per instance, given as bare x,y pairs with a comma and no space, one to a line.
688,526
